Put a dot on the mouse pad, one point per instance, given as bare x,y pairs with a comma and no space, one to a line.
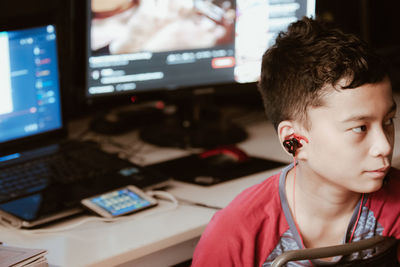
192,169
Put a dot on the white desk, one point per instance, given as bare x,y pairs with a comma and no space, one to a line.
161,236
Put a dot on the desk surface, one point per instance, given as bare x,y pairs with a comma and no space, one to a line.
148,233
97,243
87,241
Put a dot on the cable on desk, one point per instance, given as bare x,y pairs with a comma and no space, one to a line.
193,203
65,228
180,200
164,195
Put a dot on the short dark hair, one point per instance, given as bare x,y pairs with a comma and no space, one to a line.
306,58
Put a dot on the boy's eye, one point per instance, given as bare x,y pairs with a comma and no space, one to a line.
389,122
359,129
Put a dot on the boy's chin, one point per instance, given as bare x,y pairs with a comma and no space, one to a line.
372,187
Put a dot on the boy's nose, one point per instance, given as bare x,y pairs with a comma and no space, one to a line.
382,144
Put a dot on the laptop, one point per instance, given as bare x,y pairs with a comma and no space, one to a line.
43,174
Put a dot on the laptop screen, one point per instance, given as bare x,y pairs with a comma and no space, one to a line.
29,83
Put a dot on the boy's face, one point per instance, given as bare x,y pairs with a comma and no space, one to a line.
351,137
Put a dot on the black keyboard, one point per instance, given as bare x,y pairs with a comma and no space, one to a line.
65,167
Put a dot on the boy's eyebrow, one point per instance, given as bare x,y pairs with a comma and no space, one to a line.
392,109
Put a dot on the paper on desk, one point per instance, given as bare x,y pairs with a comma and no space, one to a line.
22,257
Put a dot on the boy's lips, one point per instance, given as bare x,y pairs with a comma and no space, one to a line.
379,173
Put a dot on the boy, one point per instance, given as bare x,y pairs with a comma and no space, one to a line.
330,100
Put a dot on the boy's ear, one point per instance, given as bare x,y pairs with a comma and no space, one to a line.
288,130
285,130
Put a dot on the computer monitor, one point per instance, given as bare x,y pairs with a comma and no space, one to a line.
29,57
185,49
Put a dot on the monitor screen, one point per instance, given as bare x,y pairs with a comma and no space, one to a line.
29,83
140,46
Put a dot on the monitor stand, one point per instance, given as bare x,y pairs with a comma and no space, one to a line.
126,119
197,123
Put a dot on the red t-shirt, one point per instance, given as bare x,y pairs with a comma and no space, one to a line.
257,225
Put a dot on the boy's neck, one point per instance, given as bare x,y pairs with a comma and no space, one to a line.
319,206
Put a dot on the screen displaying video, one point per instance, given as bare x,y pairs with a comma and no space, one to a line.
170,44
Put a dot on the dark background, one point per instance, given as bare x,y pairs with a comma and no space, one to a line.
376,22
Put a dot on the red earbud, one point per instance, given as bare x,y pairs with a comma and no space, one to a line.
292,143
